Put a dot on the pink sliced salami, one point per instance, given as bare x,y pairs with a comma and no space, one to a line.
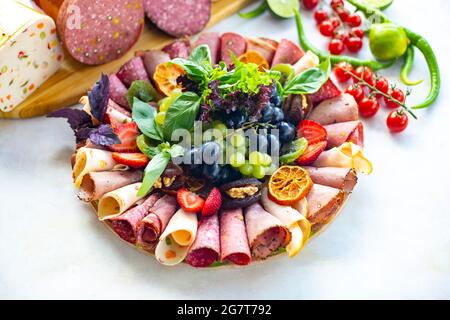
96,32
152,58
151,227
266,234
178,49
118,91
287,52
266,48
340,109
350,131
179,17
232,42
206,247
328,91
324,203
212,40
233,238
126,224
339,178
133,70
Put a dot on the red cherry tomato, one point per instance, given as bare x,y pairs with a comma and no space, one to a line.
382,84
356,91
354,44
335,22
354,20
310,4
357,32
397,121
398,95
340,34
366,74
320,16
368,107
326,28
343,71
336,46
342,13
337,4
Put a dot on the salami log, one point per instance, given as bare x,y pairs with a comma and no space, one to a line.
339,178
179,17
328,91
233,238
178,49
152,58
212,40
206,247
233,42
96,184
266,234
133,70
340,109
151,227
324,203
126,225
287,52
266,48
350,131
95,32
118,91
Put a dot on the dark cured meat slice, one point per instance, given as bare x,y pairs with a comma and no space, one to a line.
328,91
233,238
212,40
126,224
206,247
233,42
179,17
118,91
152,58
178,49
287,52
97,32
133,70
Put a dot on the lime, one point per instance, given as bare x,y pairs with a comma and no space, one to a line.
293,151
387,41
379,4
287,72
283,8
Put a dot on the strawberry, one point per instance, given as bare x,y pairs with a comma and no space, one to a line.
127,134
212,203
312,131
312,153
135,160
189,201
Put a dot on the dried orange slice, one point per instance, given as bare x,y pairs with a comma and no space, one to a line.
166,75
256,58
289,184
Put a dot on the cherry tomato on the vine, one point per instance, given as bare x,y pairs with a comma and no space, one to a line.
398,95
337,4
382,84
397,121
343,71
366,74
368,107
336,46
320,16
358,32
340,34
335,22
356,91
354,44
310,4
354,20
326,28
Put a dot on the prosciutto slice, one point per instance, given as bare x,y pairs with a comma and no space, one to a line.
339,178
324,203
340,109
266,234
96,184
206,247
233,238
126,224
151,227
339,133
212,40
264,47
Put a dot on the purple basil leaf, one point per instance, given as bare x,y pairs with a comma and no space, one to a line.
104,136
98,98
75,117
83,134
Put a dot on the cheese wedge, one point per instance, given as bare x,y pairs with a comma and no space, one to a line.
91,160
308,61
116,202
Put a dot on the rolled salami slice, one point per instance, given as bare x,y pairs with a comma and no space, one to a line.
339,178
266,48
340,109
96,32
233,238
328,91
266,234
179,17
178,49
91,160
212,40
350,131
151,227
324,203
175,241
233,42
118,91
206,248
116,202
133,70
152,58
96,184
287,52
126,225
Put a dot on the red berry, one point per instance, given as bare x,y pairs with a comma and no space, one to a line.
343,71
212,203
368,107
354,20
356,91
357,32
189,201
326,28
354,44
310,4
336,46
320,16
396,94
397,121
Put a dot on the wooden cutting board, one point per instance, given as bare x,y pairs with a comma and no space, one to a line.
73,80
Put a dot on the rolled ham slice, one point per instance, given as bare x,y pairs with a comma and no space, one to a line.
264,47
116,202
340,109
266,234
212,40
339,178
96,184
339,133
233,238
151,227
175,241
206,248
324,203
91,160
126,224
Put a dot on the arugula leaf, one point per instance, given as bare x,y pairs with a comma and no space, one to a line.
142,90
153,171
99,97
202,55
144,116
181,113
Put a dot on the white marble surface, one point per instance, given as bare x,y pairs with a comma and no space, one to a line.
391,241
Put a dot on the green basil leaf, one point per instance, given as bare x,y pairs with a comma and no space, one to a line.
176,151
194,70
202,55
153,171
308,82
142,90
145,147
144,116
181,114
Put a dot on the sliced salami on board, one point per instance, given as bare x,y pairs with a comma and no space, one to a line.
233,42
328,91
233,238
263,46
212,40
287,52
178,49
133,70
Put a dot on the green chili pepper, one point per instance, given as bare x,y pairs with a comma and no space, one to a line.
406,69
254,13
420,43
307,45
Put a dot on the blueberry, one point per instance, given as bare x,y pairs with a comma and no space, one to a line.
239,119
267,114
274,92
273,144
211,172
278,115
287,132
277,102
229,122
211,152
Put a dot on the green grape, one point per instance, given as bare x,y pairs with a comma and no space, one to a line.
259,172
266,160
212,135
160,117
246,169
271,170
256,158
221,127
237,140
237,160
